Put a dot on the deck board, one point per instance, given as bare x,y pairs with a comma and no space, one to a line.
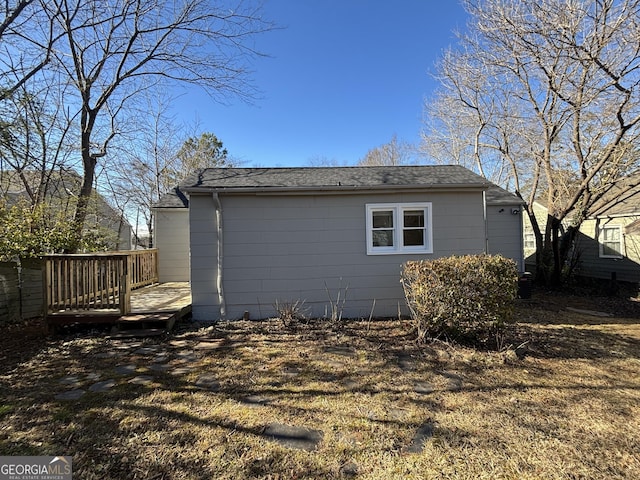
162,297
162,303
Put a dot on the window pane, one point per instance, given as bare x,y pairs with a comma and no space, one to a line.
611,234
529,240
383,219
612,249
611,242
382,238
413,237
414,218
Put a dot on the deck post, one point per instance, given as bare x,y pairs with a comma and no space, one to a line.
125,285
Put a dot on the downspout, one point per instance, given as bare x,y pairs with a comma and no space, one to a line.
523,267
219,267
486,222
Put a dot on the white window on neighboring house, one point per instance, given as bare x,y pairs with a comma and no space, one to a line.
394,228
611,242
529,241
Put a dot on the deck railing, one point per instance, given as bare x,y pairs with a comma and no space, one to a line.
143,267
97,282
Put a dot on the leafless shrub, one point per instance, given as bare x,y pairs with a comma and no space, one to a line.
290,311
334,311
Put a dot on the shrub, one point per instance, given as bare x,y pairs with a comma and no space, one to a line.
290,312
460,295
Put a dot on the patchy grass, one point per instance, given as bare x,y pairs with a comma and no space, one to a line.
568,407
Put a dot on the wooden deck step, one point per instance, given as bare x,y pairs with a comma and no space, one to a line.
163,320
72,318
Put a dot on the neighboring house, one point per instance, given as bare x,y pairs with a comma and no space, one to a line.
61,192
607,243
334,238
171,236
529,238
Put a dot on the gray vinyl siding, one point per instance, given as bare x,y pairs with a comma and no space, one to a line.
588,247
203,238
505,235
172,240
310,247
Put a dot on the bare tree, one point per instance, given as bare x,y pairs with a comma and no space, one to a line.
393,153
113,50
165,153
560,93
27,37
34,143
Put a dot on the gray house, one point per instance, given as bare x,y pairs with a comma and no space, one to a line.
264,235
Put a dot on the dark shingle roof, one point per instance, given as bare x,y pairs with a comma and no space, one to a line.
174,199
499,196
333,178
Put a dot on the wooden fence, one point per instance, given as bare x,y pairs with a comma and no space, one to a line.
97,282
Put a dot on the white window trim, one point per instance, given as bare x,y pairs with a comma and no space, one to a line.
398,219
601,241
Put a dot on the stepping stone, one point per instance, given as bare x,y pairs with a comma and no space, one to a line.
208,382
341,350
70,395
125,369
93,377
104,355
70,380
455,381
290,371
102,386
180,370
179,343
406,362
423,388
161,358
255,400
186,356
424,432
146,351
349,469
141,380
213,344
294,437
349,384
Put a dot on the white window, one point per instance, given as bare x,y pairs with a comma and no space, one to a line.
611,242
529,241
399,228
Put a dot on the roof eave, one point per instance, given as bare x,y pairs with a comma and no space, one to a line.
329,189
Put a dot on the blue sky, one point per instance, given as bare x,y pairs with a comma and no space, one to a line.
342,77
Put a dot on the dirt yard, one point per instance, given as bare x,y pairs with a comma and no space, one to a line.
558,398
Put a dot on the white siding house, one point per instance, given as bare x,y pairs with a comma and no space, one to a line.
171,234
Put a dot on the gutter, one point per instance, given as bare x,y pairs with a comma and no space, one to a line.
219,256
344,189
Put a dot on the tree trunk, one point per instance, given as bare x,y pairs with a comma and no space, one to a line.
89,168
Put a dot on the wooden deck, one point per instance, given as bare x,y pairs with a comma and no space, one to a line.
157,306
